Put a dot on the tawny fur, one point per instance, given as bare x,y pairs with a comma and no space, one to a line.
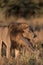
5,37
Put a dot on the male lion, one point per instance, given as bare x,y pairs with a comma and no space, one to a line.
16,34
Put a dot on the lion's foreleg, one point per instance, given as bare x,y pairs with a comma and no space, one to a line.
8,47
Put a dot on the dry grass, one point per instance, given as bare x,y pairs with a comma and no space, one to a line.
25,58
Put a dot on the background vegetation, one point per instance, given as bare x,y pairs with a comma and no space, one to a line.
22,8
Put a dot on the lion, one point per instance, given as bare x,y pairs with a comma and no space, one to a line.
14,31
16,35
